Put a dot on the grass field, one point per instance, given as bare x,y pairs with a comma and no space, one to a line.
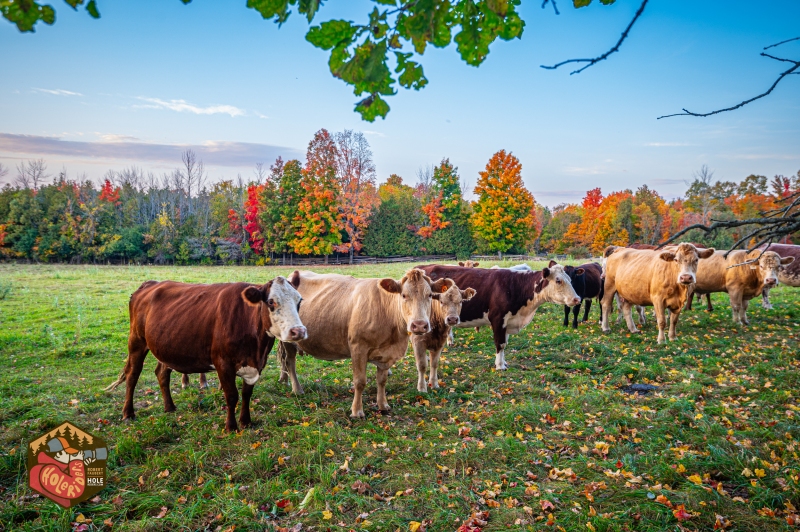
550,444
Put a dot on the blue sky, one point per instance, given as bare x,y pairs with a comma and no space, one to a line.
151,77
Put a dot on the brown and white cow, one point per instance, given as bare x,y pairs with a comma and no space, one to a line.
789,273
196,328
742,275
506,300
444,315
365,320
469,264
660,279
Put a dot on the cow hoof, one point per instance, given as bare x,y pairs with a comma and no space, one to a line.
357,415
501,367
422,389
434,385
204,386
298,391
385,410
169,409
129,419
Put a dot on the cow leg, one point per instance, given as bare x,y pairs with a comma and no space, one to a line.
451,340
673,324
745,304
184,379
203,381
434,380
626,311
736,306
137,351
765,302
620,303
227,378
382,377
689,299
566,316
587,308
359,358
575,310
163,374
606,305
289,365
642,315
661,319
421,358
244,415
500,343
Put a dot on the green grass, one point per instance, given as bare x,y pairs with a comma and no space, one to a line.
552,430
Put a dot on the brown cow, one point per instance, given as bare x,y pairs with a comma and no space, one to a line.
651,278
365,320
506,300
191,328
788,275
444,315
742,275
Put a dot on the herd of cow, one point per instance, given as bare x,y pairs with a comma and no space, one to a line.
230,328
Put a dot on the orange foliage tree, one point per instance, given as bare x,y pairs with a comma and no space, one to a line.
317,221
504,216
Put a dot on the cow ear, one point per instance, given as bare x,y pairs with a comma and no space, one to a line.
460,263
667,256
785,261
390,285
545,273
253,295
552,263
705,253
475,264
579,271
294,279
441,285
468,294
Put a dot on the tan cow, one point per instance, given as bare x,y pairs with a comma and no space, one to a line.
742,275
469,264
660,279
365,320
444,316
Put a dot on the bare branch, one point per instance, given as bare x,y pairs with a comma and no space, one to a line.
605,55
555,7
782,42
796,65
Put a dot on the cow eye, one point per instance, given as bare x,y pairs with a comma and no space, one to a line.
271,303
558,281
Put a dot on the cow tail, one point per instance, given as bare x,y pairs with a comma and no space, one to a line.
116,383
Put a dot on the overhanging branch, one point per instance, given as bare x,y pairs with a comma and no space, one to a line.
605,55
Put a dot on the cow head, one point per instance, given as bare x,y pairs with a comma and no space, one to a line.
767,266
469,264
416,290
451,300
686,257
280,304
557,287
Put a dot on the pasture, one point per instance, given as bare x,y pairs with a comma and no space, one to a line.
551,444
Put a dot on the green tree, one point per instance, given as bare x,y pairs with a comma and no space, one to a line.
392,227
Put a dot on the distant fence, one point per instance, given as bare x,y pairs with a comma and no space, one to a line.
520,258
344,260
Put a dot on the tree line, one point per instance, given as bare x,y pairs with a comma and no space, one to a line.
330,203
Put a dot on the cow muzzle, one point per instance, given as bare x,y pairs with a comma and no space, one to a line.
770,281
575,301
452,320
419,327
297,333
686,278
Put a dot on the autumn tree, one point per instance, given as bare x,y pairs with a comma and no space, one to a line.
447,229
355,172
316,223
504,215
282,194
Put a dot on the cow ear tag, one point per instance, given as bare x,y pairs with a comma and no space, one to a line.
753,267
444,288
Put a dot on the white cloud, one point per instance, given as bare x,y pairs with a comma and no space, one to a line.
58,92
668,144
182,106
376,133
110,137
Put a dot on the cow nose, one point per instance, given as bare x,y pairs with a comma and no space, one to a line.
771,281
686,278
419,326
452,320
576,301
298,333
